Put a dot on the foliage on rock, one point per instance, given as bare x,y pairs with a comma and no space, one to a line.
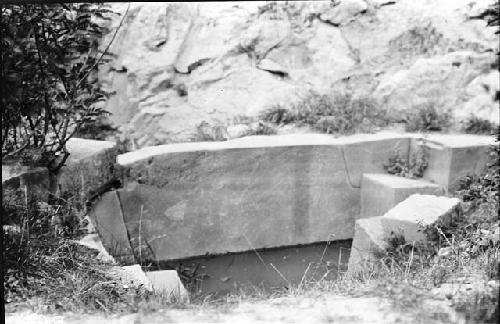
340,113
427,118
50,55
412,168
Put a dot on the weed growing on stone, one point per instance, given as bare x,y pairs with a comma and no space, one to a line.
427,118
476,125
460,258
340,113
412,168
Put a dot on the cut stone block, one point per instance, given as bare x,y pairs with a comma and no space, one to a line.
108,220
452,157
195,199
406,218
33,181
90,166
167,283
380,192
367,245
368,153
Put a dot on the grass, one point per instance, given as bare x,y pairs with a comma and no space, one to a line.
476,125
428,118
340,113
46,270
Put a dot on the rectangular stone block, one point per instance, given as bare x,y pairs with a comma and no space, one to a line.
407,219
167,283
380,192
409,216
368,153
368,243
35,182
190,204
452,157
108,220
194,199
90,166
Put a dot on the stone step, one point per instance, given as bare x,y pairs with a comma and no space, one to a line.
453,156
381,191
406,219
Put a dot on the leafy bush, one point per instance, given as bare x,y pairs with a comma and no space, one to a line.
414,168
427,118
340,113
50,55
476,125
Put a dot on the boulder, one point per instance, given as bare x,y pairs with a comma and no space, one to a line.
403,54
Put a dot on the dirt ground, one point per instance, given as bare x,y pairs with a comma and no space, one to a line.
323,308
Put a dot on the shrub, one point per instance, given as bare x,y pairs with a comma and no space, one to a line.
340,113
50,55
427,118
414,168
476,125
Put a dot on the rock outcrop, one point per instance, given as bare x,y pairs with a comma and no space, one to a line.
177,65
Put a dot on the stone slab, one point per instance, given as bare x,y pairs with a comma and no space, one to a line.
90,166
108,220
262,270
167,283
32,181
212,202
368,155
368,242
381,191
452,157
416,211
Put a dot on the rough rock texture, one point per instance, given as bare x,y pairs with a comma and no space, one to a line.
380,192
406,218
179,64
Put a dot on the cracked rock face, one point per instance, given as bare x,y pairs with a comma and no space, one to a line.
177,65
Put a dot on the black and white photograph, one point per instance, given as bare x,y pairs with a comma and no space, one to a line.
322,161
